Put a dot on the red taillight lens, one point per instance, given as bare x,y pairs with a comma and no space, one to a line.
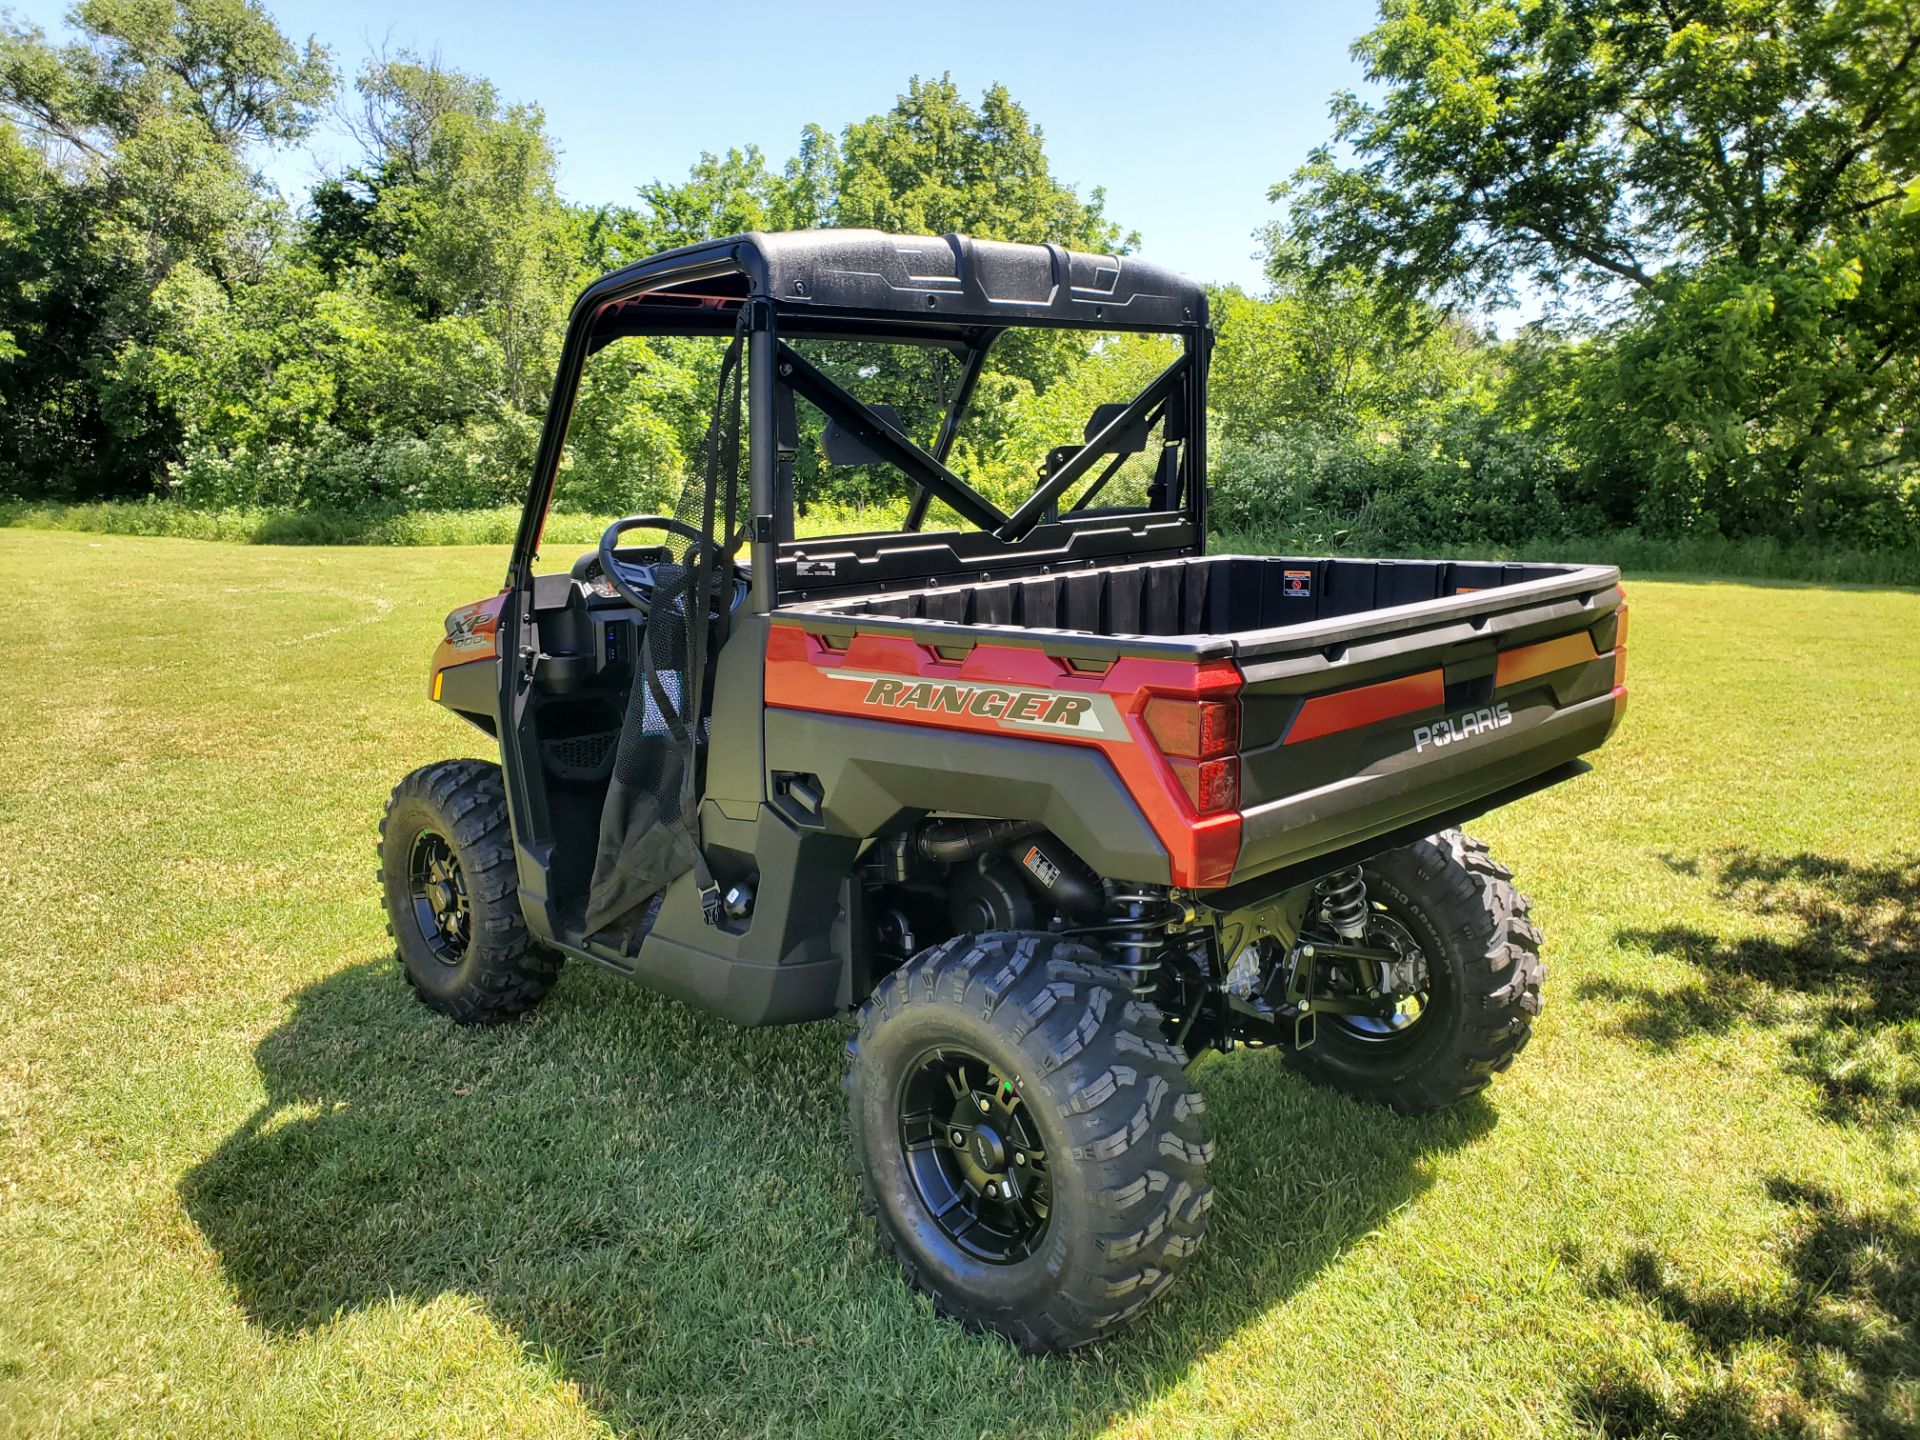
1211,785
1194,729
1201,742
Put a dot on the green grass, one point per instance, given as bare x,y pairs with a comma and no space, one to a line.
248,1187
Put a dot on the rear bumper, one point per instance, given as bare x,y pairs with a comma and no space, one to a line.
1390,797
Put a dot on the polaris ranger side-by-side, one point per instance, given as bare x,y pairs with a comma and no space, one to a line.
1052,801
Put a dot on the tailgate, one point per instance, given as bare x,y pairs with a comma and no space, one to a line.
1358,727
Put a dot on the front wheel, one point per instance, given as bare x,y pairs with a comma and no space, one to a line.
1450,906
452,897
1032,1152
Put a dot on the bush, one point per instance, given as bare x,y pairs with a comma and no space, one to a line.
1459,479
1864,512
449,469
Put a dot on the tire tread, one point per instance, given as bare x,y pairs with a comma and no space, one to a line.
1121,1093
512,974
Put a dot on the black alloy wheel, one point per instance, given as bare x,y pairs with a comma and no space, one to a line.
1031,1149
448,879
1396,1025
974,1155
439,891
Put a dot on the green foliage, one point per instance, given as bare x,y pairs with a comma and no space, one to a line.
401,349
932,164
1348,422
1747,402
1717,180
567,531
123,160
393,344
637,426
1459,481
1717,197
1332,356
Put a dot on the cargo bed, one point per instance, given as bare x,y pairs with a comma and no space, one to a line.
1378,695
1216,605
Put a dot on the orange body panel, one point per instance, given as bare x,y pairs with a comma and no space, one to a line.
1013,690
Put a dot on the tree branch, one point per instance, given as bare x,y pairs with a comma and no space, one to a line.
41,119
1628,269
1816,194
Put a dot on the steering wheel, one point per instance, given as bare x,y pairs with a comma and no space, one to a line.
635,583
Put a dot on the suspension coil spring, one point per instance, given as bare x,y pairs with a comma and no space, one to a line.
1343,902
1138,918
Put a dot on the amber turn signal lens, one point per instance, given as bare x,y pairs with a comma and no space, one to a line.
1620,648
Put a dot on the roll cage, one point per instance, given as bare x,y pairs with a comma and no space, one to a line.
950,292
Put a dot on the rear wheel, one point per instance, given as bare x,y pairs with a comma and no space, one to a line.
1032,1152
1446,905
453,904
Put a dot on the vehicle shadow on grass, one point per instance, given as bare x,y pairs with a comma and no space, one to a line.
658,1204
1838,974
1827,1339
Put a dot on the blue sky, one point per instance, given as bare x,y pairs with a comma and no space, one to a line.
1185,112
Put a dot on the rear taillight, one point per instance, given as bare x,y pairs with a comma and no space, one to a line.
1194,729
1201,742
1212,786
1620,648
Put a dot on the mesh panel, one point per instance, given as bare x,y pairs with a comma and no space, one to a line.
647,835
581,757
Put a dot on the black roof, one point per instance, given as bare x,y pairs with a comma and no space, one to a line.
937,280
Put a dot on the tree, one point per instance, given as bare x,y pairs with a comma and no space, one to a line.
419,314
935,164
932,164
1718,181
738,192
1332,356
124,162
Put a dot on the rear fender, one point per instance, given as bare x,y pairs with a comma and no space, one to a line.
1004,731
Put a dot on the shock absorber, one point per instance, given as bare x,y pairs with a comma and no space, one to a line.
1138,917
1343,903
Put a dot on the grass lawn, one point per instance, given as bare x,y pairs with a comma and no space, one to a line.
247,1186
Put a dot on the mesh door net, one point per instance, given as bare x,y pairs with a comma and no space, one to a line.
649,826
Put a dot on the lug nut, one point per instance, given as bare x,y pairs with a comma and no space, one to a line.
993,1191
1019,1157
983,1105
959,1137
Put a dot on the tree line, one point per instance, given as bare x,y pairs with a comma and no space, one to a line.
1711,204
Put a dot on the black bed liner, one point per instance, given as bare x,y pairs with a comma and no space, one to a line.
1248,607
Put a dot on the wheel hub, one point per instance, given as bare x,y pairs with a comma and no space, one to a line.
987,1151
439,891
1404,984
974,1155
